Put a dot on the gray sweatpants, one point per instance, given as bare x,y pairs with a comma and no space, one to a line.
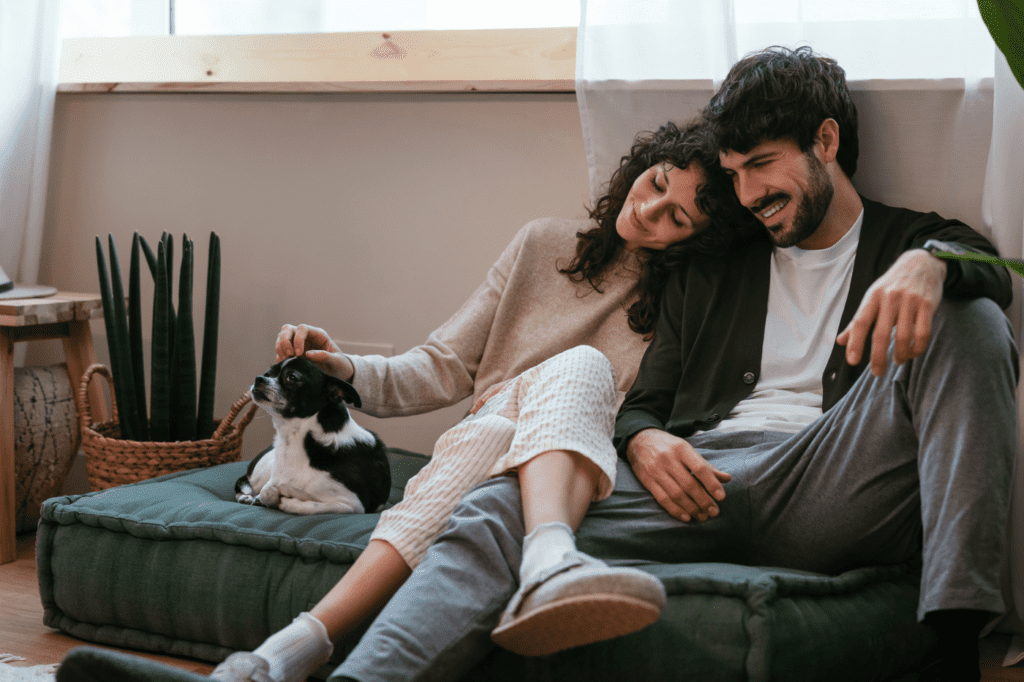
919,457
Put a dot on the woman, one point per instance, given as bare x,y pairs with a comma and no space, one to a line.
547,346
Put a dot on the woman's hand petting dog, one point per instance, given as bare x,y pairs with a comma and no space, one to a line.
316,345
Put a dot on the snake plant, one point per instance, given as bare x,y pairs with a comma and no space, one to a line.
174,412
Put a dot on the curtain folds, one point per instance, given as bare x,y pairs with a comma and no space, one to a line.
1003,206
938,132
29,60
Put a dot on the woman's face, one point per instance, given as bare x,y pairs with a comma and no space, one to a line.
659,209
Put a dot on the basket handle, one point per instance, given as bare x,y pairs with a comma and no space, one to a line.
84,409
85,413
232,413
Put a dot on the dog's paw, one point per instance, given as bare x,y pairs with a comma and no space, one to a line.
270,496
296,506
249,499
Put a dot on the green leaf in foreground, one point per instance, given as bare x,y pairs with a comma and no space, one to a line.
1012,264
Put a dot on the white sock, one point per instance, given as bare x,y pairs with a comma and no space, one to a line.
297,650
544,547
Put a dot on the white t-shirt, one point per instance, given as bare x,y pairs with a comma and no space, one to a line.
806,296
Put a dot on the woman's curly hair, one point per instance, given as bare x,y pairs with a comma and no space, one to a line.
599,247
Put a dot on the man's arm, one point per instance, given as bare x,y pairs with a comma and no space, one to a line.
649,401
905,298
967,279
907,295
679,479
682,481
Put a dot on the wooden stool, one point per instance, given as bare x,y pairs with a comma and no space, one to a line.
62,316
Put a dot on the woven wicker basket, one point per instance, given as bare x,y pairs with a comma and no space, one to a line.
110,461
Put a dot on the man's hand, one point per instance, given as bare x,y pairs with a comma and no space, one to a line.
905,297
680,479
315,344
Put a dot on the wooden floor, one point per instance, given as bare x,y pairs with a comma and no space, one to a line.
22,631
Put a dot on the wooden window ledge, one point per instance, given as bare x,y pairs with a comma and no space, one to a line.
499,60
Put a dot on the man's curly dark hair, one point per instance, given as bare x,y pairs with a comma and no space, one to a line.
598,248
782,93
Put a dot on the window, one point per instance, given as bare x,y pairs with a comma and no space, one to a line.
113,18
479,45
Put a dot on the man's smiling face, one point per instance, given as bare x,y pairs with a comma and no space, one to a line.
788,190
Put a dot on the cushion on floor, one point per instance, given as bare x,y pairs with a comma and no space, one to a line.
729,622
175,565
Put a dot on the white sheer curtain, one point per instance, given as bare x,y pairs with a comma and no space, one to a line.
641,63
921,73
1004,214
29,56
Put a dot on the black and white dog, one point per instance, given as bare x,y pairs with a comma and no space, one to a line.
322,461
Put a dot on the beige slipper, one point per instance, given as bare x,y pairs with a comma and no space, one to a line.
242,666
578,601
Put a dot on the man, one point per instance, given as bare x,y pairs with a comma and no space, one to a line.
753,428
893,458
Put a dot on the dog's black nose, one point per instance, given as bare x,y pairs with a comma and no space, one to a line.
260,380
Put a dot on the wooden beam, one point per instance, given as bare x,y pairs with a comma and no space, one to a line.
497,60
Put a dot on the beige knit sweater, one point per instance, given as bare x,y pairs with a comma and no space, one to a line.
524,313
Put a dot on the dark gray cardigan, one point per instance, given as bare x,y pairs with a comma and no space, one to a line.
706,352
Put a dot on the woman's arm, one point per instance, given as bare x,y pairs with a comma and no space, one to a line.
438,373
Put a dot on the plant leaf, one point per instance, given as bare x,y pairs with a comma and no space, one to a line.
1011,264
160,354
183,360
135,338
124,383
208,377
150,257
111,329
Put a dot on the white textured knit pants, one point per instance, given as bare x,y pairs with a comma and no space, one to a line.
565,403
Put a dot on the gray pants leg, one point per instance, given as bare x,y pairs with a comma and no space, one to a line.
438,625
896,460
921,455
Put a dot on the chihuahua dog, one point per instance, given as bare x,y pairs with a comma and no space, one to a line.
322,461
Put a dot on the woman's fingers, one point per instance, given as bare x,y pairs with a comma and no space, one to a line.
296,340
284,346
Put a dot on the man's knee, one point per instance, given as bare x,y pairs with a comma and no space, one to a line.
974,330
493,507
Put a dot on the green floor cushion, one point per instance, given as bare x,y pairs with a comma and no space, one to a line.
175,565
724,622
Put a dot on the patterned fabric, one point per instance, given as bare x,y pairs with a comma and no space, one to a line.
565,403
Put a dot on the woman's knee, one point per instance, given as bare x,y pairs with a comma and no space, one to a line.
588,356
581,364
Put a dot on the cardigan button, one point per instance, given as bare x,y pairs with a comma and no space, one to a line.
713,418
748,378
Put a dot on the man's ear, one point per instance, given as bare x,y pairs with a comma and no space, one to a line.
827,137
342,391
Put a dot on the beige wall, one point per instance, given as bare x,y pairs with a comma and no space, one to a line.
374,216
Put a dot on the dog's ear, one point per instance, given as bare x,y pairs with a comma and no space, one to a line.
342,391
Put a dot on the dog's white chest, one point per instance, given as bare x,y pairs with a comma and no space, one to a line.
284,477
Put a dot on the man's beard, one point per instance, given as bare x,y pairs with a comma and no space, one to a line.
812,209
